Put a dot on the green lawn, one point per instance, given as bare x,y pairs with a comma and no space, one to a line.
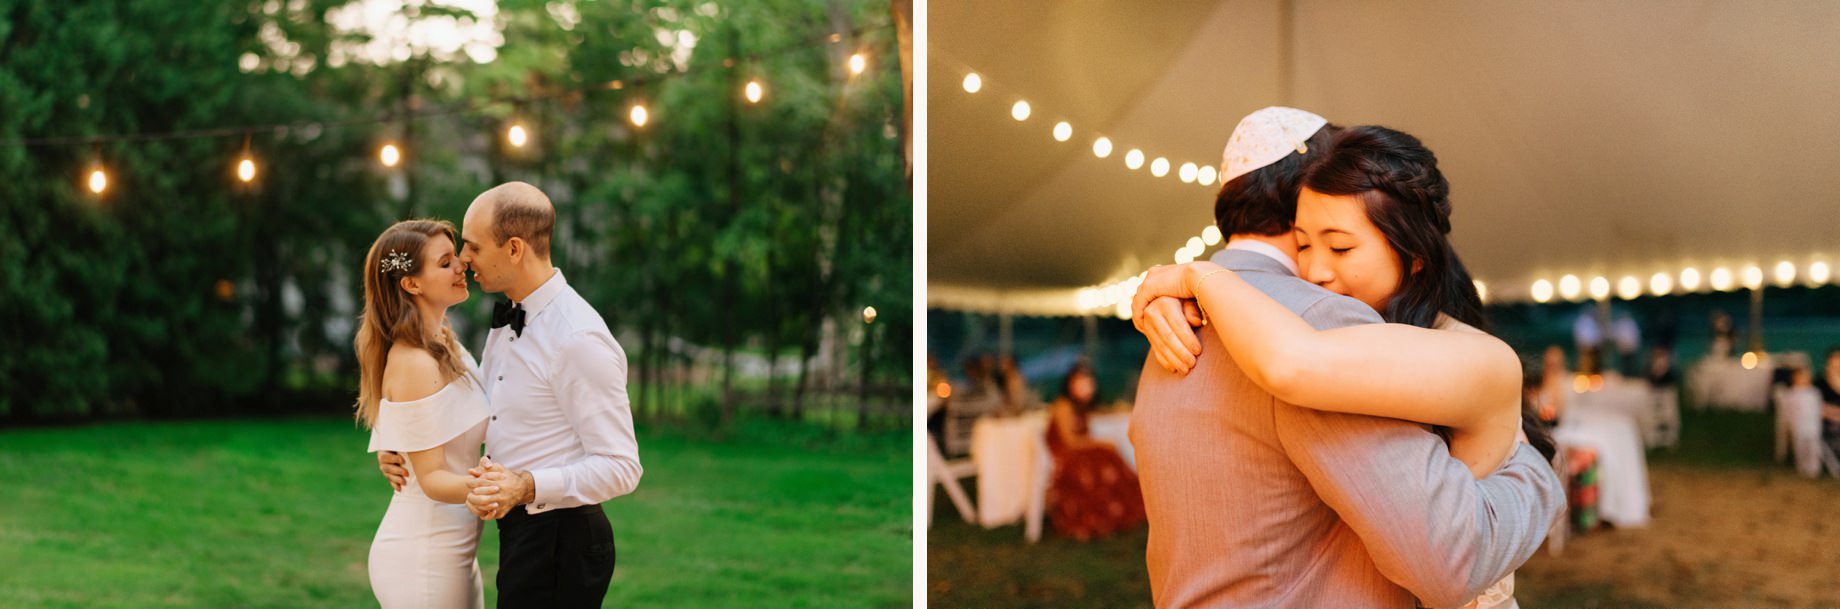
280,513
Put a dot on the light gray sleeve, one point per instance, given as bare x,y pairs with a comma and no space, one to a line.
1426,522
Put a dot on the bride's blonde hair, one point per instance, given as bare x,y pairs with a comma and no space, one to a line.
390,316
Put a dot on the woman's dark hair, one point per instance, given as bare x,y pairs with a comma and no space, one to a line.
1081,368
1264,202
1408,199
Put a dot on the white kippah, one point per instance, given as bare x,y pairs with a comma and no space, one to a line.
1266,137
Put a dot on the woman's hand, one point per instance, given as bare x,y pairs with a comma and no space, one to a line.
1163,310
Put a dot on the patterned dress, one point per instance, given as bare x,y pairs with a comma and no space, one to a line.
1093,493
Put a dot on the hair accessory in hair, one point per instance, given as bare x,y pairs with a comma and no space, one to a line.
1266,137
396,261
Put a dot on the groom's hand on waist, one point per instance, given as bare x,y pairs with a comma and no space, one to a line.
391,464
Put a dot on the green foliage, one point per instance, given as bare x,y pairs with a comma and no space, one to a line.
726,224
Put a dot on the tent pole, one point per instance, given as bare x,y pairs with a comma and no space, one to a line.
1757,321
1005,337
1090,324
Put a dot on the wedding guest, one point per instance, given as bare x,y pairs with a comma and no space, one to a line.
1828,383
1555,384
1093,493
1016,395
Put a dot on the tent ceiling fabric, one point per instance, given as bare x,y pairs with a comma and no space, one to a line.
1579,138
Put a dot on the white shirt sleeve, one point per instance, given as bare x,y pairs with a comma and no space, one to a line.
589,379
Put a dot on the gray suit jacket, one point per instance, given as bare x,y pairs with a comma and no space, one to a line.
1257,503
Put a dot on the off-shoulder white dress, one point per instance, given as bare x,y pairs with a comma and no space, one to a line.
424,551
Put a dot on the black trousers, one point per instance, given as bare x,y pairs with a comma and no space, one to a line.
559,558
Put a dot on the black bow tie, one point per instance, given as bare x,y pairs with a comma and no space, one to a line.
508,313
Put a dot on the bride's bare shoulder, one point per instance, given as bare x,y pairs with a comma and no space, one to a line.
410,373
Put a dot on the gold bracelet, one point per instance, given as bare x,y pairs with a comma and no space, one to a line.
1203,279
1197,292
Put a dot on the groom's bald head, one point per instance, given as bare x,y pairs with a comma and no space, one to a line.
515,209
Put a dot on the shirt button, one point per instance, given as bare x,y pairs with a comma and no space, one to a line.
495,417
501,378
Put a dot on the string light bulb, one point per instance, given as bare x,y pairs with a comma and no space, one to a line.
1159,167
517,135
1542,291
389,155
638,115
1187,173
1818,273
1134,159
858,63
1660,284
1063,131
754,91
973,82
1206,176
1600,288
1210,235
1020,111
1785,273
1689,279
1720,279
246,168
1753,277
98,180
1569,287
1628,288
1102,147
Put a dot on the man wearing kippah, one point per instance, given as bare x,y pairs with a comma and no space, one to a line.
1254,502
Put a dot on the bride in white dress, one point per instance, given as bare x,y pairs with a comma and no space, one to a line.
420,395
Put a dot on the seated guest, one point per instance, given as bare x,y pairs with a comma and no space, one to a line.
980,396
1555,384
1016,395
1829,385
1093,493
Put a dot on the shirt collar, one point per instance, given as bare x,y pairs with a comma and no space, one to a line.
544,294
1261,247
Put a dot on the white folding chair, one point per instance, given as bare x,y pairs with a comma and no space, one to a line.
946,474
1665,422
1039,479
1784,434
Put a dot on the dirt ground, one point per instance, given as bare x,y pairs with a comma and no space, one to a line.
1720,537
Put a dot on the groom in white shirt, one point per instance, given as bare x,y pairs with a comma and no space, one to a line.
561,439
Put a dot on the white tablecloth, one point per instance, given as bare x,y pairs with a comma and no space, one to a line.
1722,382
1006,450
1603,421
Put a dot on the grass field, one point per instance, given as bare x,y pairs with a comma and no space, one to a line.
280,513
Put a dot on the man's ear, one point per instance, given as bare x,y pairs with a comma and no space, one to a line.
410,285
516,248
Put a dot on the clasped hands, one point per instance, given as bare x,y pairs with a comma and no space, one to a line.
1165,311
493,491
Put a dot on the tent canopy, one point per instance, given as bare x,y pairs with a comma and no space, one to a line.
1589,139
